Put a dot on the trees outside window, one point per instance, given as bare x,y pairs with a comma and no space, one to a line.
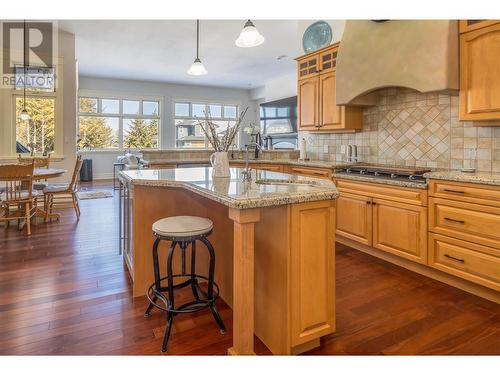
38,133
118,123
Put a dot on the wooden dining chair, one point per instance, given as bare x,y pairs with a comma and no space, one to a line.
17,200
39,162
58,194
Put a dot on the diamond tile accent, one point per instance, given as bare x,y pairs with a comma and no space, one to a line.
414,129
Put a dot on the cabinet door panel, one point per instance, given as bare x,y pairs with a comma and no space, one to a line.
400,229
480,74
354,217
308,91
331,114
312,268
328,60
308,66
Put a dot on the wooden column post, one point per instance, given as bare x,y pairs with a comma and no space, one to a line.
243,280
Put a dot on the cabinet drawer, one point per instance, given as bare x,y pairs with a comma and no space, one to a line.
473,193
470,261
314,172
392,193
465,221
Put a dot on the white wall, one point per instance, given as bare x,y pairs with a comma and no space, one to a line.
69,80
103,160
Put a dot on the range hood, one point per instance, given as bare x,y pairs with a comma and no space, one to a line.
422,55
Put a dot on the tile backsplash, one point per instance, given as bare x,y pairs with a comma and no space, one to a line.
413,129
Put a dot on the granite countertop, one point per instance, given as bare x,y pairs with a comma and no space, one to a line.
308,163
459,176
235,193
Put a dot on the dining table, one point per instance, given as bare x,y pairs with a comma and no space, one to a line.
47,173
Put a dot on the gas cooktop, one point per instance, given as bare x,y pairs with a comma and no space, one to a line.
383,172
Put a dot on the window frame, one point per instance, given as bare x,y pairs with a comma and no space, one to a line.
57,131
8,97
121,116
207,103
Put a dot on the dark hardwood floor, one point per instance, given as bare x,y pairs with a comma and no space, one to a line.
64,290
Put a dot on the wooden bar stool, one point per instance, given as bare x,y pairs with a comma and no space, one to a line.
183,231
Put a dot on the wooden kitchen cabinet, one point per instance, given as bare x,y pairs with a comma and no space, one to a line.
312,264
391,219
480,74
308,103
308,66
316,88
464,26
354,217
400,229
309,171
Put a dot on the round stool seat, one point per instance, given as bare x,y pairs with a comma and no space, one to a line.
182,226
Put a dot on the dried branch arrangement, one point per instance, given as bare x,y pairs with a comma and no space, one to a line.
220,143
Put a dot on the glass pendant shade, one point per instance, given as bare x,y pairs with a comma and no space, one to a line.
24,115
249,36
197,69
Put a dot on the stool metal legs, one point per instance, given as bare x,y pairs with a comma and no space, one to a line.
211,273
208,299
194,280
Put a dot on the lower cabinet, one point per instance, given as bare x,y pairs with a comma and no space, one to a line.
400,229
354,217
383,223
470,261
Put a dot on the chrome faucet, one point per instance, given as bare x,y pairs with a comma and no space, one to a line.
247,176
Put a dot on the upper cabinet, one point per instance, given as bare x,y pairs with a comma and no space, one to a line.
465,26
317,106
480,71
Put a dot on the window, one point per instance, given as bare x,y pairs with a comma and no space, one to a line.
188,134
38,133
113,123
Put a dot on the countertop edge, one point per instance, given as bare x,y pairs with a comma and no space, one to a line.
458,176
248,203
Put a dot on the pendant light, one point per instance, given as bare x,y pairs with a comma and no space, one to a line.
197,69
249,36
24,115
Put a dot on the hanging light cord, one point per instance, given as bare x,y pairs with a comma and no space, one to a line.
197,39
24,62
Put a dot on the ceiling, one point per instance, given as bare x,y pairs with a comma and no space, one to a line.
162,51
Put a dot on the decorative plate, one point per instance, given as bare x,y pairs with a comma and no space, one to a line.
316,36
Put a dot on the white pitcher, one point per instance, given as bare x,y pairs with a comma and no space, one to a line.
220,164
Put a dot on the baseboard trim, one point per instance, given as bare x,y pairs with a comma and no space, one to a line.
478,290
103,176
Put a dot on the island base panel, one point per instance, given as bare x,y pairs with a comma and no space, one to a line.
273,254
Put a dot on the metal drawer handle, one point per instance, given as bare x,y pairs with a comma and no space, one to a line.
453,258
454,191
455,221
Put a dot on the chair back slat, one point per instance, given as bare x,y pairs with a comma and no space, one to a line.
39,161
17,179
76,173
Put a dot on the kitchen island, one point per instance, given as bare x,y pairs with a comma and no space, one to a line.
274,240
